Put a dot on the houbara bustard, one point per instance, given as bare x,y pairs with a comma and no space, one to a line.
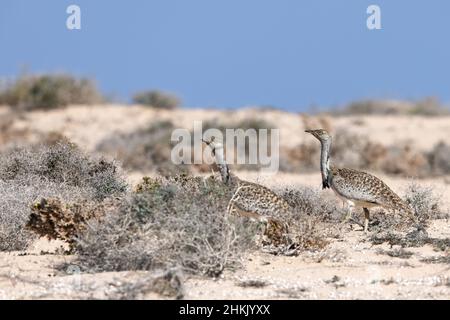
251,199
356,188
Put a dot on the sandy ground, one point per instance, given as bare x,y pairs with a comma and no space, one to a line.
95,126
350,268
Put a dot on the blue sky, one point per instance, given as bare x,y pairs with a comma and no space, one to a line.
290,54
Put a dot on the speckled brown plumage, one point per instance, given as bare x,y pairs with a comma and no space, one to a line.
260,203
256,198
253,200
357,188
363,187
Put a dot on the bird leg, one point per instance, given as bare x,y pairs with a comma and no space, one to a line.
231,204
234,209
348,216
231,210
366,219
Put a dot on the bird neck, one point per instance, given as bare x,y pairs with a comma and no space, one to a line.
223,166
325,163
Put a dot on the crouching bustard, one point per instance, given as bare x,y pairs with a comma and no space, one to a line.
250,199
357,188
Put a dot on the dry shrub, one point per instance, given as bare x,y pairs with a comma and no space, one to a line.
308,234
373,155
438,259
375,107
439,159
348,149
157,99
405,161
15,201
182,222
358,152
60,171
177,222
311,222
146,149
167,283
303,157
310,202
425,204
13,137
31,92
391,228
415,238
429,106
53,219
8,134
62,163
252,283
396,253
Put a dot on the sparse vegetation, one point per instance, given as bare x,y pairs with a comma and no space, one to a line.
54,219
439,159
31,92
397,253
252,283
157,99
147,149
179,222
8,134
359,152
425,204
428,107
167,283
182,222
310,202
311,222
391,228
60,171
438,259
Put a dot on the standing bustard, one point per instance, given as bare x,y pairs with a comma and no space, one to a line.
357,188
250,199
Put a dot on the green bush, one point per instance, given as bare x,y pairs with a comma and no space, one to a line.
30,92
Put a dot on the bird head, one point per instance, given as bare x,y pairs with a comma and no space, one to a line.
213,144
321,134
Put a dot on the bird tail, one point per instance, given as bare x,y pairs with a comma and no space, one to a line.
406,209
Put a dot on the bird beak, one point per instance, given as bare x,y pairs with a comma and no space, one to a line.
207,142
313,133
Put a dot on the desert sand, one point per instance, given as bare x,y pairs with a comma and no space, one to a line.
350,268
